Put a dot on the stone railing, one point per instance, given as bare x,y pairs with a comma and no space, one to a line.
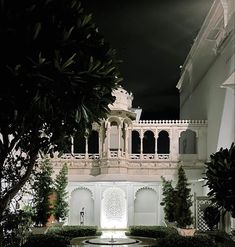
149,156
114,154
172,122
80,156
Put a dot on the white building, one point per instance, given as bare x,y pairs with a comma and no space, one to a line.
115,174
208,77
207,81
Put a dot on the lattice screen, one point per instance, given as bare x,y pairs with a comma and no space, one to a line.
201,204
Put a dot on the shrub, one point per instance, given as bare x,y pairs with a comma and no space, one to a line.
16,227
179,241
169,199
220,174
211,216
152,231
43,240
73,231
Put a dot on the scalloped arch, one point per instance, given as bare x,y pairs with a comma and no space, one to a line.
144,188
83,188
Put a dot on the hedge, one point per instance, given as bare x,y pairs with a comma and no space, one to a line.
73,231
43,240
152,231
179,241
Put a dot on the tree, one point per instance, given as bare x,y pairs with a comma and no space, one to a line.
42,189
184,200
220,176
60,206
58,73
169,200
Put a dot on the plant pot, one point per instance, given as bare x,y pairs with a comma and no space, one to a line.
186,231
57,224
39,230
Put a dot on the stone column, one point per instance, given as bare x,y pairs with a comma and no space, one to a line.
126,141
100,143
174,144
141,143
119,140
108,140
156,136
86,147
72,145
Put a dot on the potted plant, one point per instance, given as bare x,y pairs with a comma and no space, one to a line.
168,201
177,203
183,204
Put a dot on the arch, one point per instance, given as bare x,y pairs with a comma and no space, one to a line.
93,142
114,135
113,119
135,142
79,143
127,121
145,207
113,208
163,142
81,198
188,142
148,142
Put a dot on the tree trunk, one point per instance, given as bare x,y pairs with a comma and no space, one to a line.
6,199
1,234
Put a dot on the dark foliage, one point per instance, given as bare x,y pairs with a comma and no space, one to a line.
211,216
42,189
180,241
60,205
58,75
43,240
73,231
151,231
16,227
169,199
183,202
220,176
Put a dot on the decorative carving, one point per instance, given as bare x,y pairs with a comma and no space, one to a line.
114,204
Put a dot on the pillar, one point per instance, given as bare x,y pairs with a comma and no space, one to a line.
156,136
119,140
86,147
72,145
141,143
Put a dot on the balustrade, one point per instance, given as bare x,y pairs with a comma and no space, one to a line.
114,154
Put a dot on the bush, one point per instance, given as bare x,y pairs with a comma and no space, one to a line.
16,227
211,216
43,240
179,241
152,231
221,238
73,231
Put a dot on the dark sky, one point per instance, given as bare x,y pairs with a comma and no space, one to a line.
153,38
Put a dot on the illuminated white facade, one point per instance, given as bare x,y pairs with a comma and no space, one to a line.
207,81
117,177
208,76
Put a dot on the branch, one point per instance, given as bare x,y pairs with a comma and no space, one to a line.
15,189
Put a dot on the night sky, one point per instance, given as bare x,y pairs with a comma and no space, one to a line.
152,38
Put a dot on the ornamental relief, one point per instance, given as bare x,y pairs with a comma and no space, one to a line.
114,204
